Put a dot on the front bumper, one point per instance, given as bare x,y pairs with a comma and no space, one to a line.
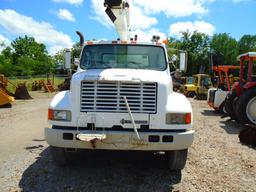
121,140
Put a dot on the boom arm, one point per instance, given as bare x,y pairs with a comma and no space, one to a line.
118,12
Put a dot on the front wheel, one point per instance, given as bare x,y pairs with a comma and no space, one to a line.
191,94
247,107
177,159
228,104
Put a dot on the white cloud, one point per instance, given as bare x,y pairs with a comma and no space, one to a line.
201,26
64,14
73,2
43,32
4,42
138,19
146,36
173,8
99,13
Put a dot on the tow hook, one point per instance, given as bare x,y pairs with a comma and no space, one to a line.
91,137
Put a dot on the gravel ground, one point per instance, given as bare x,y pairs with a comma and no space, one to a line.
216,160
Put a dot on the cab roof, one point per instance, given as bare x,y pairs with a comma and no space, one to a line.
119,42
247,56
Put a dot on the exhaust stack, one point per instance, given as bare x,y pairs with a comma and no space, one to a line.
81,36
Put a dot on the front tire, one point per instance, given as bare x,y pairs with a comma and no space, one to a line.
247,107
229,105
191,94
177,159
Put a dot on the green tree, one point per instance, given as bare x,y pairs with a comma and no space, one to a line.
224,44
197,46
31,57
247,43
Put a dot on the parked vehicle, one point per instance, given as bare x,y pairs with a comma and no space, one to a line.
198,86
121,98
216,96
240,103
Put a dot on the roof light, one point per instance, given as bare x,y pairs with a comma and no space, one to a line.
155,38
166,42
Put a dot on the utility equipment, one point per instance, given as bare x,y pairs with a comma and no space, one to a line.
240,103
6,98
121,98
216,96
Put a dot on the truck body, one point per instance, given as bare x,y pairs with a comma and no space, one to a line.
121,98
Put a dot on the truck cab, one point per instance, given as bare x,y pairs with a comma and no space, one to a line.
121,98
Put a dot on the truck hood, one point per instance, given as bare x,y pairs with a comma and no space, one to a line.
122,75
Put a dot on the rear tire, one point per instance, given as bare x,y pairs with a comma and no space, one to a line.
60,156
177,159
247,107
229,104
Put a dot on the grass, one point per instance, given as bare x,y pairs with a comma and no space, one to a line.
29,81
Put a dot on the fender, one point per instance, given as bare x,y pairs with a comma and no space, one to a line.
61,101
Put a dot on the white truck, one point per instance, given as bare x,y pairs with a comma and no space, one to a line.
121,98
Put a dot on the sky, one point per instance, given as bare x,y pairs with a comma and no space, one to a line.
54,22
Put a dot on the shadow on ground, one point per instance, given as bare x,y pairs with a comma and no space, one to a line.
231,126
211,112
101,171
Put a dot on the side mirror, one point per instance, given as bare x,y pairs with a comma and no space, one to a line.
183,61
67,59
77,62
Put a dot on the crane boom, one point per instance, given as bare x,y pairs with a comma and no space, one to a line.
118,12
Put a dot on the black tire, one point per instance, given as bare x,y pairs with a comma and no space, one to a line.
177,159
59,156
191,94
229,104
245,99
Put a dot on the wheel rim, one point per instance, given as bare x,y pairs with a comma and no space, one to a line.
251,110
191,94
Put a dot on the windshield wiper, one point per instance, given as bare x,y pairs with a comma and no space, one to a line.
133,62
99,67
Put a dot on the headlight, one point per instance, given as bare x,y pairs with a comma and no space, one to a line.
178,118
59,115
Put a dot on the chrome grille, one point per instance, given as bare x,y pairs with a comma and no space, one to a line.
105,96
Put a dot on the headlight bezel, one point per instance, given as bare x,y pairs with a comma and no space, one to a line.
178,118
59,115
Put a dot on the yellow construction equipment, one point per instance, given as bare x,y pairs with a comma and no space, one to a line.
6,97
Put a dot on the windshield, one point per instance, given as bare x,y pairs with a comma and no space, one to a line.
123,57
190,80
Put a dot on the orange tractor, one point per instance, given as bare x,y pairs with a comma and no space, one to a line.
240,103
216,96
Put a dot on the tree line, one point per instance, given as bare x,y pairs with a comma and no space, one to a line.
26,57
200,46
